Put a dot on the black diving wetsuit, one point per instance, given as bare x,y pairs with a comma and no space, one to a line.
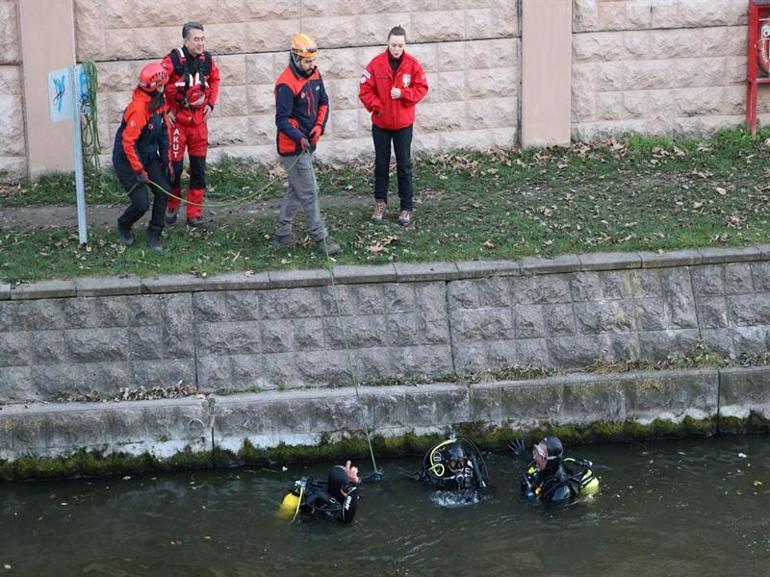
554,485
469,481
316,499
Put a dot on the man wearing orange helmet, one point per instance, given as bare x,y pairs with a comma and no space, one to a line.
191,96
301,112
140,156
391,86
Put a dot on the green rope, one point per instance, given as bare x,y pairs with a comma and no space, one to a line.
345,342
89,119
233,202
335,294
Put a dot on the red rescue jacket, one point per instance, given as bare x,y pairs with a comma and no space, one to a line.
142,135
192,86
377,80
301,102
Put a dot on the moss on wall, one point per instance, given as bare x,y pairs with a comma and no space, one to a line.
353,445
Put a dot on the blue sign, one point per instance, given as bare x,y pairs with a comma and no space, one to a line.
60,95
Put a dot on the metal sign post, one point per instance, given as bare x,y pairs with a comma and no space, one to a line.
65,96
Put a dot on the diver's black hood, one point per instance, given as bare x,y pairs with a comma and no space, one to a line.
338,481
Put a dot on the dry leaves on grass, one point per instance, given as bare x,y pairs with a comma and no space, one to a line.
382,244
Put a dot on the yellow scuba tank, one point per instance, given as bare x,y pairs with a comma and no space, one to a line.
292,501
288,507
589,484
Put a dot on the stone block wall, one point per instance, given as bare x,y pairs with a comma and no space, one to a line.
669,67
13,145
239,333
571,320
470,51
292,337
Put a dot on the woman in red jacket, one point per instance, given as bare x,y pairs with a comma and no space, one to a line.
391,85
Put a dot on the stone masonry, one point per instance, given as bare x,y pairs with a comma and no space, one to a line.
670,67
60,340
470,51
13,147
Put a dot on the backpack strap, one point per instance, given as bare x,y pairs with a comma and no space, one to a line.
178,60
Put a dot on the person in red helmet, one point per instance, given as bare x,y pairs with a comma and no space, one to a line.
191,95
140,156
391,86
301,112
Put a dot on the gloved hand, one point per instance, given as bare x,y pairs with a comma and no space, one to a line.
304,144
142,177
518,447
377,110
315,134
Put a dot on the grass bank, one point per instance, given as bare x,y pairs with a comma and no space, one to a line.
641,193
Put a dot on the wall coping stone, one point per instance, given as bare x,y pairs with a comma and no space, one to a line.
582,377
15,409
173,283
47,289
531,265
299,278
360,274
488,268
669,259
726,255
428,271
398,272
108,286
610,260
238,281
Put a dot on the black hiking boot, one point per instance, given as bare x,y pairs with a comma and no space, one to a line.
153,241
125,234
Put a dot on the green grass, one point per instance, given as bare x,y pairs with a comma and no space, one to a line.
642,193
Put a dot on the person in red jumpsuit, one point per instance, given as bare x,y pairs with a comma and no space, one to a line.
191,96
140,156
391,86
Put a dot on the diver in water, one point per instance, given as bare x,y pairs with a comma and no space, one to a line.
335,499
455,465
550,478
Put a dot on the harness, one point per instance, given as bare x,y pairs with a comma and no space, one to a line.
184,68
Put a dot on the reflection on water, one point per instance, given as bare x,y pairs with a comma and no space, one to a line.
685,508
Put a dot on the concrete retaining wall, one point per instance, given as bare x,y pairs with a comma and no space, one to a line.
166,428
267,333
279,330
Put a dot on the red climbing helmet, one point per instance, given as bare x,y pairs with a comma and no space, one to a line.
152,76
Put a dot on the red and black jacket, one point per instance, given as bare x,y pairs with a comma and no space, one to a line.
374,91
143,134
192,86
301,102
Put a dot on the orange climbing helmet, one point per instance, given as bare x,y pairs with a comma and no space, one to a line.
152,76
304,46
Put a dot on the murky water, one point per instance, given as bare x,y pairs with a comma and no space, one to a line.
681,508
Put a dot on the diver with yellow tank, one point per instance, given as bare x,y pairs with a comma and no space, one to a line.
455,465
552,479
336,499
